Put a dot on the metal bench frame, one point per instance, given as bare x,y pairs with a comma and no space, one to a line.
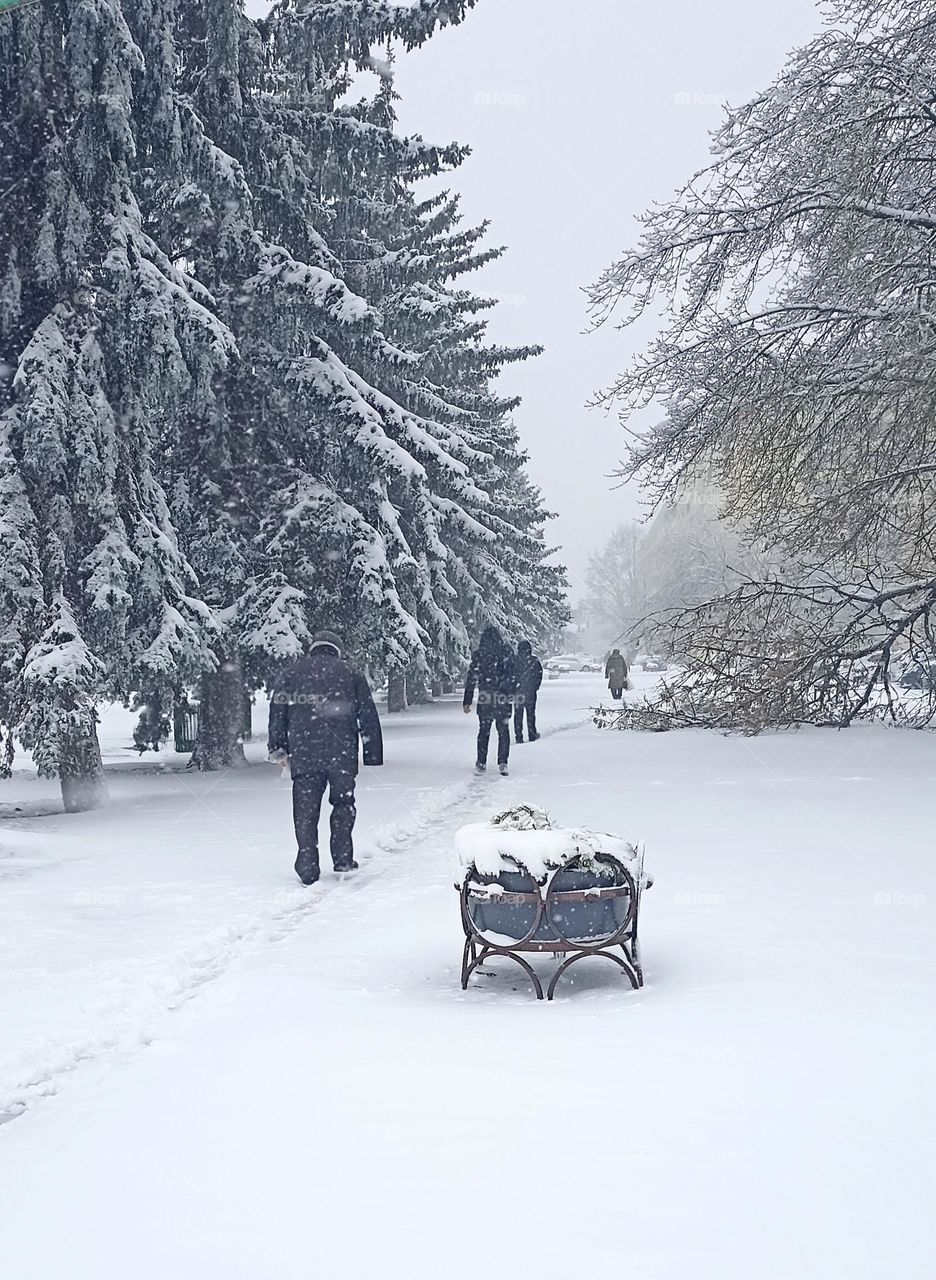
479,948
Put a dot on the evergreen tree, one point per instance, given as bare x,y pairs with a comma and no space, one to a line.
247,395
446,531
363,383
106,336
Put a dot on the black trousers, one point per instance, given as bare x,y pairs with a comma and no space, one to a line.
617,693
308,792
527,703
487,717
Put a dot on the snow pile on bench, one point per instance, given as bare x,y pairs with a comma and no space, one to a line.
524,839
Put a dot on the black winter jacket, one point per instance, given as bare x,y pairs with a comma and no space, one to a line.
616,671
319,710
492,674
529,671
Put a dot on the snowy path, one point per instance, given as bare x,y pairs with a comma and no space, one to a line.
331,1102
110,920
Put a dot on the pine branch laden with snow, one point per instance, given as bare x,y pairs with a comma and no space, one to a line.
799,365
339,32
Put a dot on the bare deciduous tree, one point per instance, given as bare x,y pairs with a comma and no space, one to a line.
615,587
798,367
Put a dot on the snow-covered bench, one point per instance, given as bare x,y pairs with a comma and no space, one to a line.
527,886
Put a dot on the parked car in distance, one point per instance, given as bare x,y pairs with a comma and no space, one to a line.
921,675
654,662
569,662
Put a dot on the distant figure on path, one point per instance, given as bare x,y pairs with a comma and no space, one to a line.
616,674
319,711
529,676
492,674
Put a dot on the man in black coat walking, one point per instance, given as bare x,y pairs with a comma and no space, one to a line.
491,674
320,710
529,673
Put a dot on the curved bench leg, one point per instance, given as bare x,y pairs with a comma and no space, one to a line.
584,955
469,968
469,956
471,960
633,955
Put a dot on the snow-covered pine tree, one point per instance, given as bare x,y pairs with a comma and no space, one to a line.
365,500
185,171
241,212
197,201
492,531
400,257
279,472
415,275
352,476
102,336
463,536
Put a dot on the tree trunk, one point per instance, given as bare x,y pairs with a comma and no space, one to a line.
152,728
437,688
416,692
221,718
396,691
81,773
448,684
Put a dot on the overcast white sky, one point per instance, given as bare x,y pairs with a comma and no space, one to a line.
577,117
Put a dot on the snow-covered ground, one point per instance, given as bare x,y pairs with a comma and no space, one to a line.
208,1071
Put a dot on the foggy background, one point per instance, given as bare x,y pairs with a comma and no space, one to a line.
579,116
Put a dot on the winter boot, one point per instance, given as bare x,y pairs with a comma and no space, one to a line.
535,737
342,867
480,767
504,771
307,868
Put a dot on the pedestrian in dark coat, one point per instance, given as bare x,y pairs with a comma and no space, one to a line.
616,674
492,675
529,674
320,711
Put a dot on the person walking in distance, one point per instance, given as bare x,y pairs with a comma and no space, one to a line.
321,710
616,674
529,676
491,674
